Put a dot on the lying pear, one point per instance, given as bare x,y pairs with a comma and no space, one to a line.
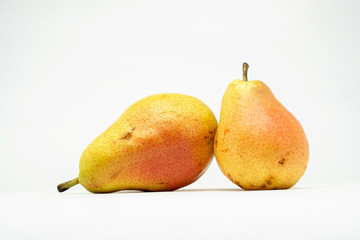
259,144
160,143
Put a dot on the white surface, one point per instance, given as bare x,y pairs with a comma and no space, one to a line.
301,213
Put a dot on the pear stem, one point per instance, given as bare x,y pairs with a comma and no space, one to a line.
245,69
66,185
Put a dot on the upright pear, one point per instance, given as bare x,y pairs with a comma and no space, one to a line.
160,143
259,144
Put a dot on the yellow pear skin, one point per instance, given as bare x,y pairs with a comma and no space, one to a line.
259,144
160,143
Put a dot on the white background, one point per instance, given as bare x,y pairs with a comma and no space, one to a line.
68,69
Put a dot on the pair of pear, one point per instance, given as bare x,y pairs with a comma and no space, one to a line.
167,141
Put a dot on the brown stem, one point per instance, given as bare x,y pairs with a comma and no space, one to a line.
245,69
66,185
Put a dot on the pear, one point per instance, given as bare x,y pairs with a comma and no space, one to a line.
259,144
160,143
